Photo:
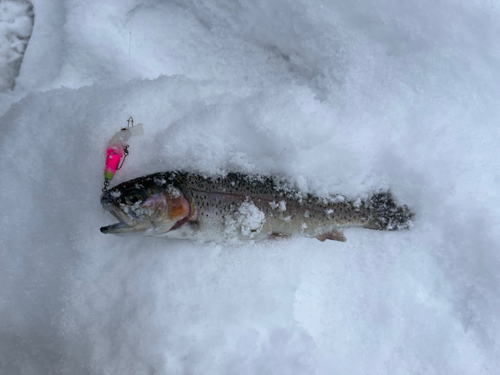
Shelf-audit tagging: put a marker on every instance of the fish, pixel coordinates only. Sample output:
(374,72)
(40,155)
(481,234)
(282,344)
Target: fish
(236,206)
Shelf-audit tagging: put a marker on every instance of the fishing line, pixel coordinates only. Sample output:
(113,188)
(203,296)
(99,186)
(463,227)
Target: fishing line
(130,49)
(117,148)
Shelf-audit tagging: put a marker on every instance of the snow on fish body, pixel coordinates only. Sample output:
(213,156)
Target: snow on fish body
(237,206)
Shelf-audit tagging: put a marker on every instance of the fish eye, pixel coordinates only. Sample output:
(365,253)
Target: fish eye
(132,199)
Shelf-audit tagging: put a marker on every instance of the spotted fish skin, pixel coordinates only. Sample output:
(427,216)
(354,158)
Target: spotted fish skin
(238,206)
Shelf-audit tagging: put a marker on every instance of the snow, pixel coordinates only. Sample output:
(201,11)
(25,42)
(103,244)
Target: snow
(16,26)
(338,97)
(250,219)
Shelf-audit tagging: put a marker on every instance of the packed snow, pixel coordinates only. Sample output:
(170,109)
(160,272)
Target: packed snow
(337,98)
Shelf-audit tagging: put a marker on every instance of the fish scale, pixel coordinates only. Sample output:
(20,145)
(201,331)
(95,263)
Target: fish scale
(243,207)
(224,194)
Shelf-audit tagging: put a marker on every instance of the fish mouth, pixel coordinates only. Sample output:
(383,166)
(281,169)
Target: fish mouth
(125,223)
(120,227)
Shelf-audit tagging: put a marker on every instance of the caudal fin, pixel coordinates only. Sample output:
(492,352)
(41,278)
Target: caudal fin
(386,214)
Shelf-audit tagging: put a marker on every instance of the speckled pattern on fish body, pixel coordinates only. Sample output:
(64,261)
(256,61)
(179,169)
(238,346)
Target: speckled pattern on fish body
(237,206)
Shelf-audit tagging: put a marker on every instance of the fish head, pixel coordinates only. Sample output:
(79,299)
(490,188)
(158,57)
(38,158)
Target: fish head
(149,206)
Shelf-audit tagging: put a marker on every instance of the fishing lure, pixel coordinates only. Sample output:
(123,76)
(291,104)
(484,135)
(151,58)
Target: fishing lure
(117,149)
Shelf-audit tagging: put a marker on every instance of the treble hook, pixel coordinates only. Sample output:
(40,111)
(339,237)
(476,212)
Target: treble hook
(125,154)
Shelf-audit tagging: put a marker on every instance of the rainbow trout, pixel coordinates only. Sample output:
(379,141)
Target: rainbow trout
(236,206)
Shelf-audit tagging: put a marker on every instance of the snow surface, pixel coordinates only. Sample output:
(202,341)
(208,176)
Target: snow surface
(339,97)
(16,26)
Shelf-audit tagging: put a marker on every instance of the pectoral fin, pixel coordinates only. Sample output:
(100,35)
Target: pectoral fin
(335,235)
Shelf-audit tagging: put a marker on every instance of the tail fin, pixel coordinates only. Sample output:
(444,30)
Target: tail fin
(386,215)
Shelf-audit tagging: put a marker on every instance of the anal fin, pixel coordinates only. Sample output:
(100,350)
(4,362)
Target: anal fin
(335,235)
